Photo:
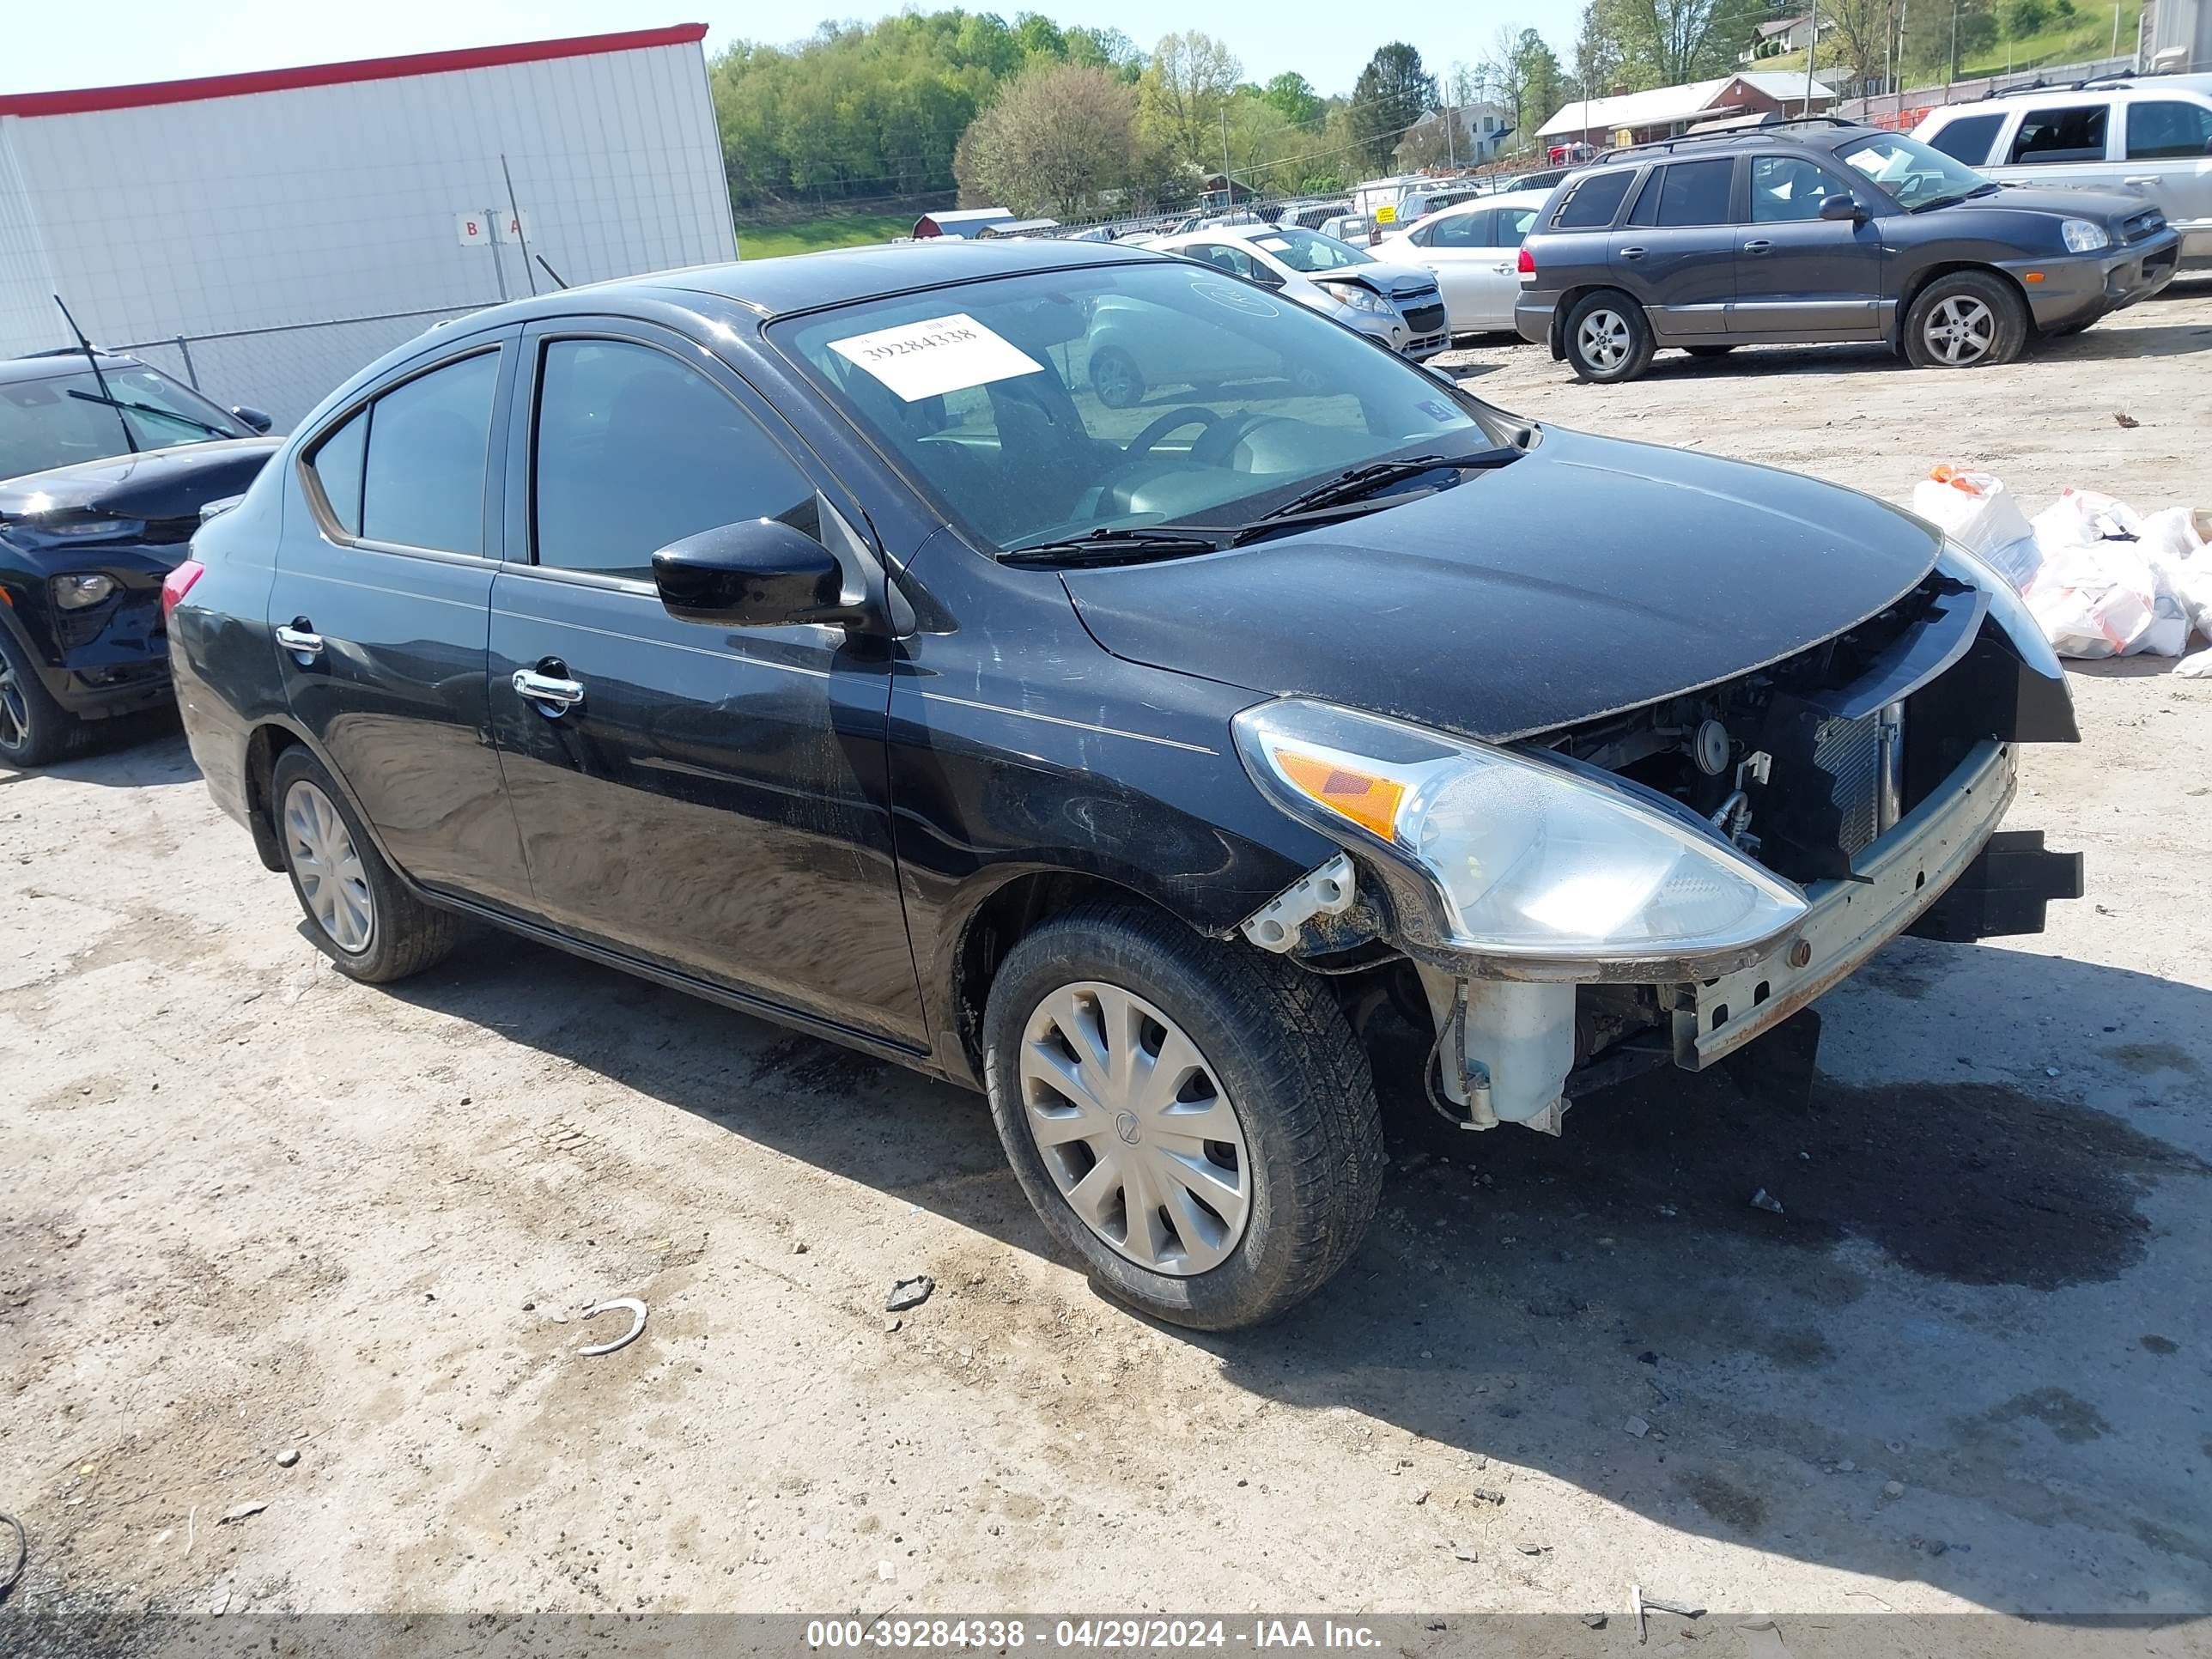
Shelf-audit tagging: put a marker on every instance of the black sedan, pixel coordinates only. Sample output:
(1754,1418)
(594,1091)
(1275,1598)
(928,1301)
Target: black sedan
(808,636)
(103,472)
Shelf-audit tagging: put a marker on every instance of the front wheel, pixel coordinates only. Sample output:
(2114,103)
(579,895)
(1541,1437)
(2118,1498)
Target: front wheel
(34,729)
(1195,1122)
(1608,339)
(1968,320)
(1116,378)
(359,914)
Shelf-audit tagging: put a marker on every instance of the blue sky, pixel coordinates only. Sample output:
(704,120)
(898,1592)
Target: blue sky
(109,42)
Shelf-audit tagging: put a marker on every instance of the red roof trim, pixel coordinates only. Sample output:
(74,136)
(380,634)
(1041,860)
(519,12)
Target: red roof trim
(335,74)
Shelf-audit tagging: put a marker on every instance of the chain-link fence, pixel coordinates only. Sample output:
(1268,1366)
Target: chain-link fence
(285,370)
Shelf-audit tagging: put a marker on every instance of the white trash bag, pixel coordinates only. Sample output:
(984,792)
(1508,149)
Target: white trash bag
(2179,540)
(2098,592)
(1977,511)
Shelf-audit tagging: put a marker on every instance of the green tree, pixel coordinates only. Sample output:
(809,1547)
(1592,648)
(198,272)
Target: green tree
(2023,18)
(1183,95)
(1664,43)
(1054,142)
(1294,99)
(1543,85)
(1392,92)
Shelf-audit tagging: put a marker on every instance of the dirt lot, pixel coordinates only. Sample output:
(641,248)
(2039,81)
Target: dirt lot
(248,1209)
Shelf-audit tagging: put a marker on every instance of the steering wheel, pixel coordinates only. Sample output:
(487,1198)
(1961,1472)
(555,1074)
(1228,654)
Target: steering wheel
(1189,414)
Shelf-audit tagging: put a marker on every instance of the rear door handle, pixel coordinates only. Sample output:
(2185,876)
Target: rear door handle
(1632,253)
(553,696)
(2147,179)
(299,637)
(1759,247)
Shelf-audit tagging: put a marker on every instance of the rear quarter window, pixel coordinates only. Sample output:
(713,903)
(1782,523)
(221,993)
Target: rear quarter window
(1593,200)
(1968,139)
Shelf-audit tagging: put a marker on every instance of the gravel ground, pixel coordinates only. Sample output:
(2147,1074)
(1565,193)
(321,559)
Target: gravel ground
(248,1209)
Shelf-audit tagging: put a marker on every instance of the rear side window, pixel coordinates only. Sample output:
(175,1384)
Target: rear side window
(1968,139)
(1513,225)
(1593,200)
(2073,133)
(337,467)
(2168,131)
(423,482)
(636,450)
(1695,193)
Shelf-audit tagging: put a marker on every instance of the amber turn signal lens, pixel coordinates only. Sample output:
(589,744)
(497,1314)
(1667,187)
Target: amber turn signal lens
(1370,802)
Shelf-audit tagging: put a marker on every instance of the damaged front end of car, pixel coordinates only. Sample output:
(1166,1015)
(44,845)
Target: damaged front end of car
(1671,882)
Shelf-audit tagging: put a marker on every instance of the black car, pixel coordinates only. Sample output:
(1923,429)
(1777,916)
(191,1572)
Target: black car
(1816,231)
(102,478)
(807,635)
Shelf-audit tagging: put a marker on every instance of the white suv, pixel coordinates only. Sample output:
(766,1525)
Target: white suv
(2154,135)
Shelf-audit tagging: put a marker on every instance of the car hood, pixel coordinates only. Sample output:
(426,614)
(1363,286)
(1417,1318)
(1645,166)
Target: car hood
(2072,201)
(1591,575)
(173,483)
(1384,277)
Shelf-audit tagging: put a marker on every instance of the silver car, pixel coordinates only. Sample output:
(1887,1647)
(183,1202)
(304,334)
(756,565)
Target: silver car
(2152,136)
(1396,305)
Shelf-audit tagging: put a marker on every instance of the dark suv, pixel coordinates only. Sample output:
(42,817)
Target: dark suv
(1816,231)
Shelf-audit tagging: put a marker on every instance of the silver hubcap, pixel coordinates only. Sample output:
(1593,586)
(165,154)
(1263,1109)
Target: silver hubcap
(328,865)
(1115,381)
(1604,339)
(1959,328)
(1135,1129)
(14,710)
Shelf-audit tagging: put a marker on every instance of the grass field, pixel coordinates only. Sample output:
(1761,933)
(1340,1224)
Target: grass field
(2088,34)
(811,235)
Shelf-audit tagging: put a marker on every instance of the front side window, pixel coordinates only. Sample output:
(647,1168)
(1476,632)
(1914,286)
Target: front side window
(1784,189)
(2073,133)
(1039,408)
(634,451)
(1234,260)
(1968,139)
(1461,230)
(59,419)
(422,484)
(1595,197)
(2169,132)
(1514,225)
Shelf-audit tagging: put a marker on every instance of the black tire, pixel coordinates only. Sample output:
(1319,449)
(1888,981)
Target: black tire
(1618,345)
(34,729)
(1708,351)
(403,935)
(1965,320)
(1294,1076)
(1116,378)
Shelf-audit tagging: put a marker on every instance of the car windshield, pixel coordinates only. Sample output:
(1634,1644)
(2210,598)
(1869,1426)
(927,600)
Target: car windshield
(59,419)
(1308,251)
(1918,175)
(1045,407)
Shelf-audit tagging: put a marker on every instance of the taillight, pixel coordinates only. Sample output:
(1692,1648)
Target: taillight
(1527,262)
(178,583)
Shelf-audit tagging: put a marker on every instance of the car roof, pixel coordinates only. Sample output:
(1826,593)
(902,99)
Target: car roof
(1512,199)
(2199,87)
(804,281)
(63,359)
(1821,133)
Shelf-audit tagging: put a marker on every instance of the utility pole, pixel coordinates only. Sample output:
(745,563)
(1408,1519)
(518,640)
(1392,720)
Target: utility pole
(1812,48)
(1954,75)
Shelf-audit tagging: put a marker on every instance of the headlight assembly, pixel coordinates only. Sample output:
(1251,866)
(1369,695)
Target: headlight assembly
(1545,872)
(81,590)
(1357,298)
(2083,237)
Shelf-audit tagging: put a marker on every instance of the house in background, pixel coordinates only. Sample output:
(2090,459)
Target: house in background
(1477,132)
(1783,34)
(1637,118)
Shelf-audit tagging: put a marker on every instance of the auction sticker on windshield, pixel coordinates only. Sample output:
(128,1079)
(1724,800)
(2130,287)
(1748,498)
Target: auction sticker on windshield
(936,355)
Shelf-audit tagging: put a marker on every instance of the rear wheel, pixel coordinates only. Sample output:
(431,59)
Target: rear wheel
(1608,340)
(359,914)
(1967,319)
(1195,1122)
(1116,378)
(34,729)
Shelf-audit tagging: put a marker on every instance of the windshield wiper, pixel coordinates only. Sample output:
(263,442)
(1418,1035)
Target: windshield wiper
(149,409)
(1110,547)
(1362,481)
(1933,203)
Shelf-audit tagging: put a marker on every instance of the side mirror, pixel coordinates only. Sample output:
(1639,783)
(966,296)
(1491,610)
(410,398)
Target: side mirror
(1843,207)
(247,415)
(759,573)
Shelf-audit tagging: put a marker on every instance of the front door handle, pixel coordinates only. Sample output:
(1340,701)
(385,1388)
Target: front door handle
(2147,179)
(1759,247)
(553,696)
(1632,253)
(299,637)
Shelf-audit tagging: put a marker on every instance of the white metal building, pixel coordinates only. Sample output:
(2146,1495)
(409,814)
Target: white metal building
(266,234)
